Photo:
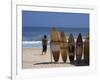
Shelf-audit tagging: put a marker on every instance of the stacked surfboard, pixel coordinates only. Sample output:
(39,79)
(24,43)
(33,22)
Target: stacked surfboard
(59,45)
(86,50)
(55,44)
(71,48)
(79,48)
(63,46)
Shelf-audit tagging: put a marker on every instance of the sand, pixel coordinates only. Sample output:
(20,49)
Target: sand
(32,58)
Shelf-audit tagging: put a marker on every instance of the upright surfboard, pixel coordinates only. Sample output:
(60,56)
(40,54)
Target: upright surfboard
(79,48)
(71,48)
(63,46)
(55,44)
(86,50)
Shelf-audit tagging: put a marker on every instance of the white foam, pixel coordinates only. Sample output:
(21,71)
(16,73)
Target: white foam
(32,42)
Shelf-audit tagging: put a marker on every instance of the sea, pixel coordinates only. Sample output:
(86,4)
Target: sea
(32,36)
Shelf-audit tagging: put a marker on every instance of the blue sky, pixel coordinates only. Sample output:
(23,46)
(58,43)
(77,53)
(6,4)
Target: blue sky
(57,19)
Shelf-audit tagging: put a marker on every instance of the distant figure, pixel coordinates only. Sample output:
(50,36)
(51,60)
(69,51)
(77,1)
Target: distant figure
(44,44)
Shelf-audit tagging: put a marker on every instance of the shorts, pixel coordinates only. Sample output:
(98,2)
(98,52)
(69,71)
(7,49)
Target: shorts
(44,48)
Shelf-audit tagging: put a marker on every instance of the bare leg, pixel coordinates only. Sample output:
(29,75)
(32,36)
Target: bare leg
(45,52)
(42,53)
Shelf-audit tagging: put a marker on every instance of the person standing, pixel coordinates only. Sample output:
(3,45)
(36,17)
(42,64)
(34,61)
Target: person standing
(44,44)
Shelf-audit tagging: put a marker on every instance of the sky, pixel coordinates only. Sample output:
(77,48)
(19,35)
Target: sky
(54,19)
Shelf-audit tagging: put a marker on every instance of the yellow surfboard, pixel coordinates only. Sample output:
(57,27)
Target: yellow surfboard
(63,46)
(86,50)
(55,44)
(71,47)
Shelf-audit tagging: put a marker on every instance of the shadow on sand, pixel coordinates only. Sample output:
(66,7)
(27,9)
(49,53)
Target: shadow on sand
(81,63)
(51,63)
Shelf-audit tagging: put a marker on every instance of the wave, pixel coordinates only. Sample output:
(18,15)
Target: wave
(33,44)
(37,44)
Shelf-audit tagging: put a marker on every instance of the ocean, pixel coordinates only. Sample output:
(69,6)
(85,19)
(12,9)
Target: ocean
(32,36)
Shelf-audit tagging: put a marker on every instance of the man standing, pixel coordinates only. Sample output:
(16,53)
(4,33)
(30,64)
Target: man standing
(44,44)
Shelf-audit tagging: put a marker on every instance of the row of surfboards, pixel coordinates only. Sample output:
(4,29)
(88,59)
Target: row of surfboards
(59,45)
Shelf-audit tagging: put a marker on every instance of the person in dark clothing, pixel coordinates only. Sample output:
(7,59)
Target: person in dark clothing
(44,44)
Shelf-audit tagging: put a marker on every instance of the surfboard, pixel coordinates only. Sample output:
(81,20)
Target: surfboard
(55,44)
(86,50)
(79,48)
(63,46)
(71,48)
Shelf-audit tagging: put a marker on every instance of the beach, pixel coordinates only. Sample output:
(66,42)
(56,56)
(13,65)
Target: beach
(33,59)
(40,23)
